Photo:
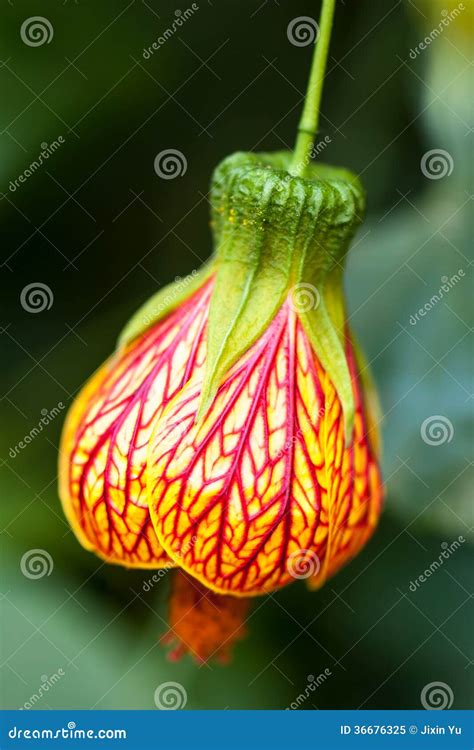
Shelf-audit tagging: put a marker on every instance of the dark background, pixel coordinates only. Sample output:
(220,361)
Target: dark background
(103,232)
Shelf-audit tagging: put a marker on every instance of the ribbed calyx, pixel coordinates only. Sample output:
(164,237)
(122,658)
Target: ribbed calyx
(303,224)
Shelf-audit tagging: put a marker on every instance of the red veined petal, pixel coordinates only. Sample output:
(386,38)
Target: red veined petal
(235,498)
(354,481)
(105,439)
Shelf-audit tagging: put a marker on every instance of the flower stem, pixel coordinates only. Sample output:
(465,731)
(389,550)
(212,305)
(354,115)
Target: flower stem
(308,126)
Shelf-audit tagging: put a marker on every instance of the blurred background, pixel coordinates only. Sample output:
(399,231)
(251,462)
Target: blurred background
(98,230)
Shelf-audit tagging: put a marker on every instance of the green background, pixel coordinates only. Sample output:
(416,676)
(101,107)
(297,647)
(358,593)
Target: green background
(103,231)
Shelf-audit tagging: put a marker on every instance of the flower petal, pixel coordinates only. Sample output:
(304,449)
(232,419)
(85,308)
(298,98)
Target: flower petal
(355,486)
(104,444)
(234,498)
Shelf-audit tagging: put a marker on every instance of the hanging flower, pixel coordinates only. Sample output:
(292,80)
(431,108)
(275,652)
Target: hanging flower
(232,435)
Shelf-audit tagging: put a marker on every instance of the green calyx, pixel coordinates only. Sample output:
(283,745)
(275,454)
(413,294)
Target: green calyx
(276,235)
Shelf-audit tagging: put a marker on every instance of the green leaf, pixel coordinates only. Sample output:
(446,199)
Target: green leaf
(251,285)
(326,341)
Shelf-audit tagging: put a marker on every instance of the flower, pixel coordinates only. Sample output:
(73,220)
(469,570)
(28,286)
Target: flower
(233,434)
(265,474)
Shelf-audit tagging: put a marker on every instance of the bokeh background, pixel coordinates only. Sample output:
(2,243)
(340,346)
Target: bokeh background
(103,231)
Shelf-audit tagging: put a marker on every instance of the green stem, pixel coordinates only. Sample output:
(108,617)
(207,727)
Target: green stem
(308,126)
